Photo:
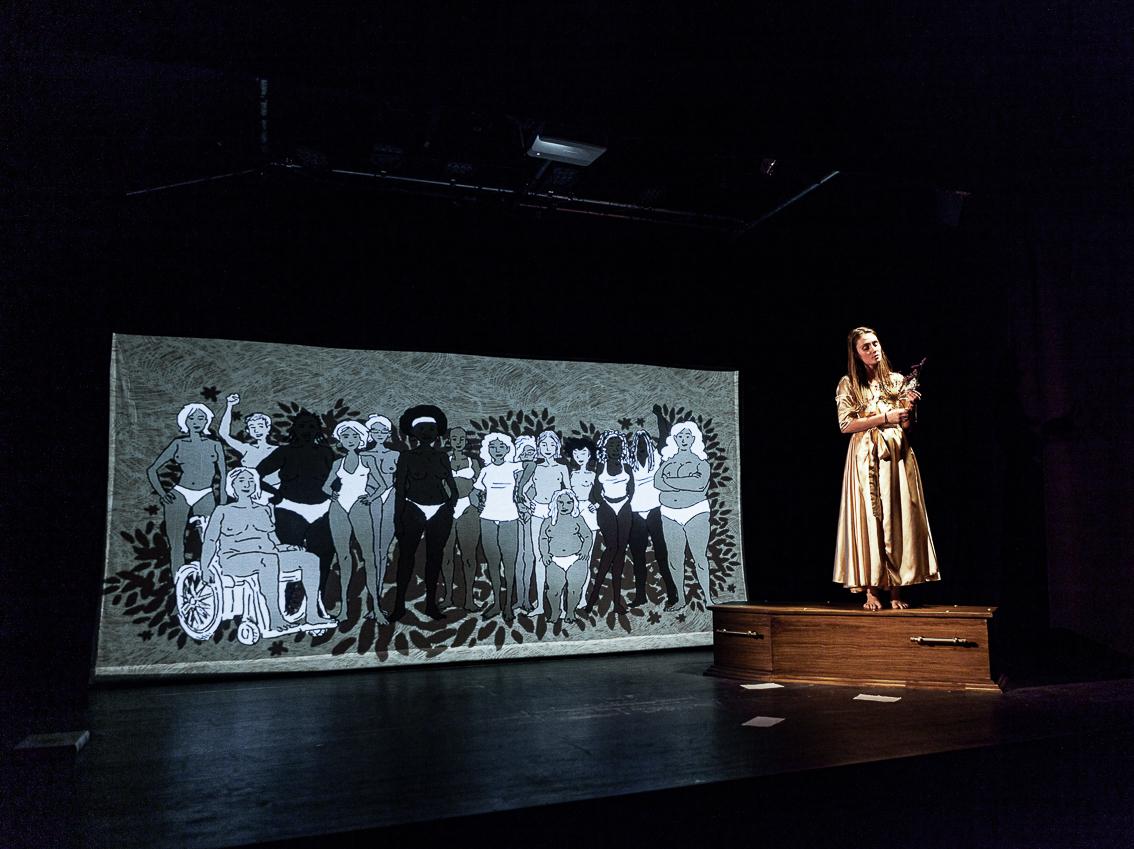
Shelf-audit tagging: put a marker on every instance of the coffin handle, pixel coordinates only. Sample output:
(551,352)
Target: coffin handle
(941,641)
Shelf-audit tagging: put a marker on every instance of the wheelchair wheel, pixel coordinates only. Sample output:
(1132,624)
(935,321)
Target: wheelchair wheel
(248,634)
(198,605)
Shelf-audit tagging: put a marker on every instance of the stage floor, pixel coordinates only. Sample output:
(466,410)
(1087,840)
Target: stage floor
(253,761)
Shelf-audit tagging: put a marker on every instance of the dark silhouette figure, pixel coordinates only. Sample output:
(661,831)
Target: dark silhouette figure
(301,505)
(426,495)
(645,520)
(612,491)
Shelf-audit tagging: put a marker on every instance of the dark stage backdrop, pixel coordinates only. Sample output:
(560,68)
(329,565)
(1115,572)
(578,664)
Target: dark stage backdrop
(325,264)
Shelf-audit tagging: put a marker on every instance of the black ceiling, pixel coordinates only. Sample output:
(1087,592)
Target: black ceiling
(690,98)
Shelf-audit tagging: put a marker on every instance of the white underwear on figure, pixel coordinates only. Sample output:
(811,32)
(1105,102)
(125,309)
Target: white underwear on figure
(541,511)
(310,512)
(565,561)
(430,510)
(353,485)
(386,495)
(192,496)
(682,515)
(461,506)
(467,472)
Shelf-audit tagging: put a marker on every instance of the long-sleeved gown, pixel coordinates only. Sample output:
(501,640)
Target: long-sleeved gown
(883,539)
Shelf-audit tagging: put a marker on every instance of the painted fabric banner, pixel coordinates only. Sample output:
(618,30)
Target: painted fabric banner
(280,507)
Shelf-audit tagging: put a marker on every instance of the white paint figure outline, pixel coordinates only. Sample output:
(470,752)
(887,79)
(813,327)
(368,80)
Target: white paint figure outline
(565,542)
(258,426)
(538,487)
(526,555)
(247,568)
(682,481)
(379,429)
(581,461)
(493,495)
(200,459)
(350,514)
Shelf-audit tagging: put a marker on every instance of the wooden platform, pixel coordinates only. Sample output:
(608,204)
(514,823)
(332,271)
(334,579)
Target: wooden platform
(941,647)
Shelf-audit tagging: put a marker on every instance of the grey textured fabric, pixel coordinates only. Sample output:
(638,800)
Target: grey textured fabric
(159,618)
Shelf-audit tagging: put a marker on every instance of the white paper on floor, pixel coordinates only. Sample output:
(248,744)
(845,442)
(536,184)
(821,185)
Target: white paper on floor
(767,685)
(866,697)
(764,721)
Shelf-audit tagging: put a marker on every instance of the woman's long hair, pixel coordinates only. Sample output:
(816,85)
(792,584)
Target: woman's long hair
(860,377)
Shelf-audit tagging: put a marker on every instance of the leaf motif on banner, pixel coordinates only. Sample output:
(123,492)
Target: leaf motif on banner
(366,636)
(486,630)
(517,636)
(541,627)
(343,646)
(501,635)
(401,644)
(464,631)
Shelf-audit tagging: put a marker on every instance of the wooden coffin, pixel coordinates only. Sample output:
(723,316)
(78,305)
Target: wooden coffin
(944,647)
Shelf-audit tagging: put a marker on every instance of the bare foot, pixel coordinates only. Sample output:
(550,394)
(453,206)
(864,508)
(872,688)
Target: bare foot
(872,600)
(896,600)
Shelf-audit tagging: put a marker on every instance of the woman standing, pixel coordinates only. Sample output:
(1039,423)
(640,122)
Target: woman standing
(581,469)
(201,461)
(382,507)
(525,551)
(646,522)
(258,426)
(465,536)
(883,540)
(538,486)
(358,477)
(493,494)
(426,495)
(682,481)
(612,491)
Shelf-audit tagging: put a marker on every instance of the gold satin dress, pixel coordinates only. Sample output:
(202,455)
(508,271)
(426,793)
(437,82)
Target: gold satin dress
(884,539)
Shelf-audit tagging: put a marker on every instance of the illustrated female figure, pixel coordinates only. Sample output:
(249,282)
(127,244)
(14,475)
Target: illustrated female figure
(359,481)
(493,494)
(526,550)
(645,523)
(301,505)
(682,480)
(564,549)
(242,535)
(382,508)
(201,461)
(258,426)
(538,486)
(581,469)
(883,539)
(425,496)
(465,536)
(612,491)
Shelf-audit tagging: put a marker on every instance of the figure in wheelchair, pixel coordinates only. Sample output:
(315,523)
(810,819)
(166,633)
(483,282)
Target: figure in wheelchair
(247,572)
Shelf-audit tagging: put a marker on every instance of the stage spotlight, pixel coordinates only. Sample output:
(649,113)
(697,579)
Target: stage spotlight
(562,150)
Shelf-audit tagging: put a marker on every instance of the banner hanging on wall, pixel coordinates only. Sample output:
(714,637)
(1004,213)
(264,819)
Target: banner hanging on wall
(281,508)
